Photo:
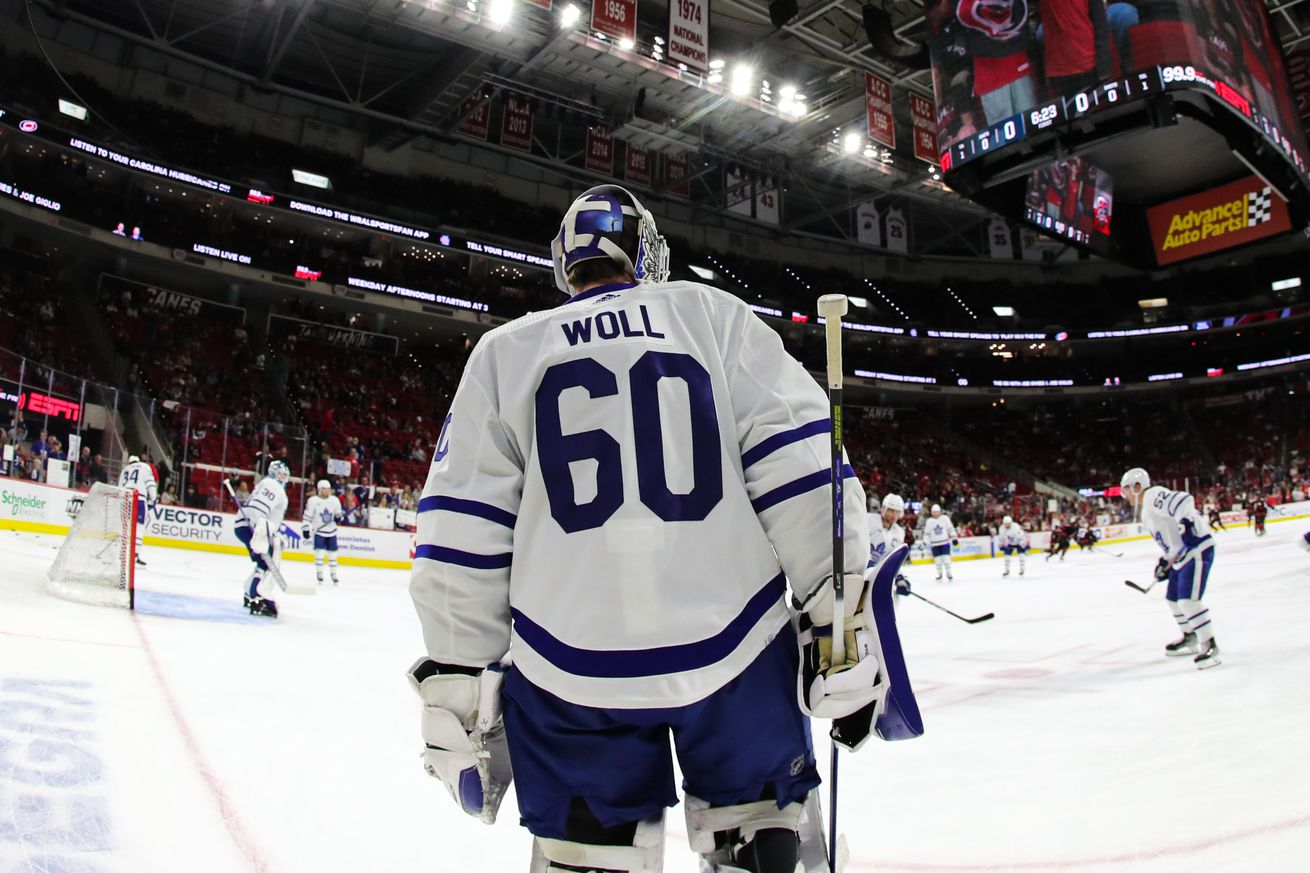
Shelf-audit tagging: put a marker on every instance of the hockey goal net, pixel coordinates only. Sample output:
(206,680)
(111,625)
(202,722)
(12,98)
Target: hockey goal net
(97,562)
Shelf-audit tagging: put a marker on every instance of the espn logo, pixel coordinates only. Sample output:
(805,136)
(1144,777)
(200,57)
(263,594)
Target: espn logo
(44,404)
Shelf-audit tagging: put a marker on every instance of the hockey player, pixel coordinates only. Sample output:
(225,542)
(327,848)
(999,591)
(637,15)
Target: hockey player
(139,475)
(1260,512)
(939,534)
(1087,537)
(1172,519)
(1061,535)
(1216,520)
(258,531)
(886,535)
(322,513)
(623,490)
(1012,540)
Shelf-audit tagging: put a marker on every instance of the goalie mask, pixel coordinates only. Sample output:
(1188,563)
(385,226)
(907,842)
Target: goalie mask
(609,222)
(280,471)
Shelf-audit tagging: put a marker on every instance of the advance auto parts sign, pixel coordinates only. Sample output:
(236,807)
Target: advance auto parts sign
(24,507)
(1232,215)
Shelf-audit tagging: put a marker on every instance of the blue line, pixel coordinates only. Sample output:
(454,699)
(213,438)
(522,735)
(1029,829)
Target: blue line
(796,487)
(769,445)
(463,559)
(630,663)
(468,507)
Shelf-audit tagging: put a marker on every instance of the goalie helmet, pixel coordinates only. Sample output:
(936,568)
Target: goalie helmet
(1136,476)
(608,222)
(280,471)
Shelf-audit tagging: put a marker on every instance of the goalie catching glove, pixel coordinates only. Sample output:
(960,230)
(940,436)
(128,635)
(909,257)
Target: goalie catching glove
(871,690)
(463,733)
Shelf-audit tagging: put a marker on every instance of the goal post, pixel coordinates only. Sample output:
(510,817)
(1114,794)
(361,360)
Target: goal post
(97,561)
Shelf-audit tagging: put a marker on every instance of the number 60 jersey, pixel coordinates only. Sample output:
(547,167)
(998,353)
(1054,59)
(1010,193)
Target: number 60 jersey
(620,493)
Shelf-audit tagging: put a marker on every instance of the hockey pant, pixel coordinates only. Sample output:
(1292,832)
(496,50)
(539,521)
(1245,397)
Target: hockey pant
(325,548)
(1186,588)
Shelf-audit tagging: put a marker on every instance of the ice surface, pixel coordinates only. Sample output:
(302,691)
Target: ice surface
(190,736)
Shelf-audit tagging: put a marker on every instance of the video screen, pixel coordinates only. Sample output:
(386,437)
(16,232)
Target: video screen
(1073,199)
(1004,68)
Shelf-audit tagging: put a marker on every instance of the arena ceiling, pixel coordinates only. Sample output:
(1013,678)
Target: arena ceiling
(407,64)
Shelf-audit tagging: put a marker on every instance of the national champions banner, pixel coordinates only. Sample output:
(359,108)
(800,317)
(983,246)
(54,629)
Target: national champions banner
(1231,215)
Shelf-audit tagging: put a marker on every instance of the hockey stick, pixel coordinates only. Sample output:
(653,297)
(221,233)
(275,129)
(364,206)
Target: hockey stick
(241,510)
(832,307)
(1106,552)
(1131,584)
(988,617)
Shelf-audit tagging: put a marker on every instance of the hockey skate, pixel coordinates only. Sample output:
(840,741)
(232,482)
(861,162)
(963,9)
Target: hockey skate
(140,561)
(1184,646)
(262,606)
(1007,572)
(1208,658)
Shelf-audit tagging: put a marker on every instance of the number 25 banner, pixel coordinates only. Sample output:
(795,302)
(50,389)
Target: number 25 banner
(615,18)
(689,34)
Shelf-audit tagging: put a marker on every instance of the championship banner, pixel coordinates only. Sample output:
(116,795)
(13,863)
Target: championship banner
(898,232)
(767,207)
(516,123)
(1298,76)
(474,115)
(999,242)
(924,115)
(868,229)
(676,169)
(600,150)
(1232,215)
(689,34)
(878,110)
(615,18)
(169,302)
(637,165)
(283,326)
(738,193)
(544,4)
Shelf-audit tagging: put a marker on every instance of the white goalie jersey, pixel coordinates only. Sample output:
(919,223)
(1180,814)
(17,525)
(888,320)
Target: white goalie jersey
(267,501)
(621,493)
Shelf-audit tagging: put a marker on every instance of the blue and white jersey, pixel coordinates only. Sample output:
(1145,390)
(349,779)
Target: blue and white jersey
(141,477)
(1011,536)
(322,514)
(938,531)
(622,492)
(882,539)
(1171,518)
(269,501)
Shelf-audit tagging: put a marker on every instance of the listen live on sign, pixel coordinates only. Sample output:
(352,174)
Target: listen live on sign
(1232,215)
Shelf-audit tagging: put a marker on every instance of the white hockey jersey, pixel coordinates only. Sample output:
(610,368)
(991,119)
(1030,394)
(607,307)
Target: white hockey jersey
(1171,518)
(268,501)
(622,491)
(939,530)
(321,514)
(1011,535)
(141,477)
(882,539)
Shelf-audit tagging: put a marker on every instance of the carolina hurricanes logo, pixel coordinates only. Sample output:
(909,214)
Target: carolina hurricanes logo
(1000,19)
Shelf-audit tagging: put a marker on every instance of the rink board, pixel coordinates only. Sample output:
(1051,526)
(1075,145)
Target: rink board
(35,508)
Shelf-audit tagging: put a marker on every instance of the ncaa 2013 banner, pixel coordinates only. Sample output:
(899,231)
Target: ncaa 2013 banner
(36,508)
(1232,215)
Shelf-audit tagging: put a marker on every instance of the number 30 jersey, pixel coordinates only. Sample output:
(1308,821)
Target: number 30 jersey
(620,494)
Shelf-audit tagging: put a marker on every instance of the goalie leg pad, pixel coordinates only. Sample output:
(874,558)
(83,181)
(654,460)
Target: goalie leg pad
(707,825)
(643,854)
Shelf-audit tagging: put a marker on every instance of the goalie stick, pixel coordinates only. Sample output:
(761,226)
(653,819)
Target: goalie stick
(987,617)
(272,565)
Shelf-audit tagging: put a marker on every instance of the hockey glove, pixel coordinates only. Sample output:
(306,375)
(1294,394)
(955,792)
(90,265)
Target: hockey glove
(464,735)
(1162,569)
(304,531)
(955,542)
(902,586)
(828,690)
(1305,542)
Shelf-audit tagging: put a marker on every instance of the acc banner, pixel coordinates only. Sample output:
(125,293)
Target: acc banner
(677,169)
(924,115)
(1231,215)
(637,165)
(689,34)
(999,241)
(516,123)
(878,110)
(474,115)
(867,229)
(898,232)
(615,18)
(600,150)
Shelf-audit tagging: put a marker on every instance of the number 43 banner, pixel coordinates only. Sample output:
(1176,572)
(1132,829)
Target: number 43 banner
(615,18)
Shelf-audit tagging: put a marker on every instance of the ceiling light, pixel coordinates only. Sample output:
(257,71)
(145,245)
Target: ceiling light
(626,44)
(703,272)
(569,15)
(1154,303)
(851,143)
(314,180)
(1004,311)
(501,11)
(1280,285)
(861,302)
(80,113)
(741,80)
(716,65)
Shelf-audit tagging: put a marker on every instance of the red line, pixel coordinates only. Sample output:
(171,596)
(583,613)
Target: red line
(245,844)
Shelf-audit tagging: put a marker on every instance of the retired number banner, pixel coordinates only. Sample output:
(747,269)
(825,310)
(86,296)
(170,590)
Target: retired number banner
(689,34)
(637,165)
(516,124)
(615,18)
(878,110)
(924,115)
(600,151)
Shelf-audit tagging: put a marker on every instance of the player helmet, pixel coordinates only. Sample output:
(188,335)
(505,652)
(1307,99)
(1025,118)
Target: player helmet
(324,485)
(1007,520)
(936,509)
(608,222)
(894,502)
(280,471)
(1135,476)
(133,459)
